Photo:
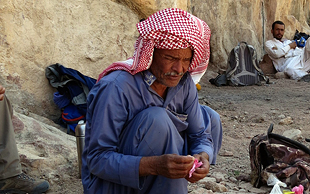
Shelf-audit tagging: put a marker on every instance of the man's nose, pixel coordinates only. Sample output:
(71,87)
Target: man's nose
(178,66)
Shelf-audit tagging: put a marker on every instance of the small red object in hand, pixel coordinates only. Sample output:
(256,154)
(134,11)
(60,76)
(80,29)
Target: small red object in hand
(195,165)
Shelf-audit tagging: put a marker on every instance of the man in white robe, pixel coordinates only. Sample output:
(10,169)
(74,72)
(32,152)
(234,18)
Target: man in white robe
(286,56)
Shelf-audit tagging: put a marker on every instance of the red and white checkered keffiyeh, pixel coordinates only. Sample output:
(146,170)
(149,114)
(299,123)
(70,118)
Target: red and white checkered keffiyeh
(170,28)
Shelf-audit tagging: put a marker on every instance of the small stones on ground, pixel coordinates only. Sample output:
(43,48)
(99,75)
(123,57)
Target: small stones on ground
(219,177)
(233,179)
(294,134)
(286,121)
(281,116)
(215,187)
(226,153)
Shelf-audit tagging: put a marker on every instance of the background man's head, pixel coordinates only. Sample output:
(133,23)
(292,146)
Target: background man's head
(278,29)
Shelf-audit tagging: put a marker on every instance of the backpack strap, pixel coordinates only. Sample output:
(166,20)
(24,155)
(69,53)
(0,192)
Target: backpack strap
(236,50)
(230,72)
(260,72)
(286,141)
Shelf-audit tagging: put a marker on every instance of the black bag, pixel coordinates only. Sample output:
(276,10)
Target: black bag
(219,81)
(298,35)
(301,38)
(286,159)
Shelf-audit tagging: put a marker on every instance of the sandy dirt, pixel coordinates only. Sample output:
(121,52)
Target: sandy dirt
(248,111)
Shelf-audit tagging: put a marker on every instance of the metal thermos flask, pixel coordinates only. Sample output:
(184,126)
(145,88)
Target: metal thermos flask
(80,142)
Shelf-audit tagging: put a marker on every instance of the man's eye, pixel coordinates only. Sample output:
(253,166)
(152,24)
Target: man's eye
(170,58)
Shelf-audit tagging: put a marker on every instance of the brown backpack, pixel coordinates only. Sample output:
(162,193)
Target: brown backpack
(285,158)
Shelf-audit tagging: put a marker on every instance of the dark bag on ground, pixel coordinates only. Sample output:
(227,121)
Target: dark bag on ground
(286,159)
(219,80)
(71,96)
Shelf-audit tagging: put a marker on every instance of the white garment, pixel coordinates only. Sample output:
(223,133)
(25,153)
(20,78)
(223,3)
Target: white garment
(294,62)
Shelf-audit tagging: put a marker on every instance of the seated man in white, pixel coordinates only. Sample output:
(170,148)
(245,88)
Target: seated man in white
(285,54)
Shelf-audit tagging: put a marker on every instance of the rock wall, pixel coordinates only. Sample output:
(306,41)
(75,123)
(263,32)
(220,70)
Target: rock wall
(89,35)
(84,35)
(234,21)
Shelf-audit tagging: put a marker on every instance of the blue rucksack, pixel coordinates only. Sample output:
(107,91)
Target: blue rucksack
(71,96)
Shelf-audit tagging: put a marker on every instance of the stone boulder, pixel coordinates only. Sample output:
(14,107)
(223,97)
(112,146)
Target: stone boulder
(267,66)
(47,152)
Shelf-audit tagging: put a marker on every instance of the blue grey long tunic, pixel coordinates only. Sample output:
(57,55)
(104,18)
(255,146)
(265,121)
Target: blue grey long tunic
(127,119)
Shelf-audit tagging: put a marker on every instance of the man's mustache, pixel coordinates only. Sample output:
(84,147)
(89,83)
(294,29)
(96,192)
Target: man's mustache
(174,73)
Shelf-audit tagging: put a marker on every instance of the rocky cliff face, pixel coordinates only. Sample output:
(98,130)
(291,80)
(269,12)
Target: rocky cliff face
(83,35)
(90,35)
(250,21)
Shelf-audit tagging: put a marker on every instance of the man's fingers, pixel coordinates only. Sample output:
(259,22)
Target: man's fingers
(175,166)
(2,91)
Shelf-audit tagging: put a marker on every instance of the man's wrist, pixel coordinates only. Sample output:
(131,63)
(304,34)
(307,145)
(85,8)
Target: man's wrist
(148,166)
(205,155)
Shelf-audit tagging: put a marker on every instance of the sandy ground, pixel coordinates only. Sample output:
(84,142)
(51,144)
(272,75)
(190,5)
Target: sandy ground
(248,111)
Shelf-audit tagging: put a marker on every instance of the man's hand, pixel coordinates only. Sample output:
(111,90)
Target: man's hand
(293,45)
(169,165)
(2,91)
(203,170)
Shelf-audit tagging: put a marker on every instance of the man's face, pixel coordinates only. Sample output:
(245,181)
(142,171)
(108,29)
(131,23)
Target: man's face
(278,31)
(168,66)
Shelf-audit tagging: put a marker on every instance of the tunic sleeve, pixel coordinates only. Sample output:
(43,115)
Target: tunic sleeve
(102,136)
(275,51)
(199,128)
